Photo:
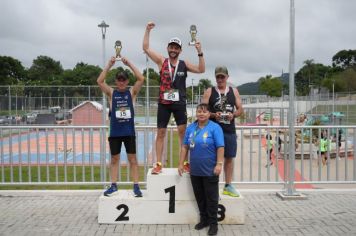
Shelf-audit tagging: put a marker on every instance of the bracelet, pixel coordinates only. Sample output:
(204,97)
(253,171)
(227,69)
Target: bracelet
(200,54)
(219,163)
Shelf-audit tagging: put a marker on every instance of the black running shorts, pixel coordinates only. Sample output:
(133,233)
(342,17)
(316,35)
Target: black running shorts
(129,142)
(164,114)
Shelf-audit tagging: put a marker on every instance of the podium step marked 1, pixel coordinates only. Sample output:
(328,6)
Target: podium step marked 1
(169,199)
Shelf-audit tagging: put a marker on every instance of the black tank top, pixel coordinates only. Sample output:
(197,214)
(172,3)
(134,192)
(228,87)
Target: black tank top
(223,104)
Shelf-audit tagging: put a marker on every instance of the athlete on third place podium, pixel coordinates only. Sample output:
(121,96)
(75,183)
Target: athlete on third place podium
(225,105)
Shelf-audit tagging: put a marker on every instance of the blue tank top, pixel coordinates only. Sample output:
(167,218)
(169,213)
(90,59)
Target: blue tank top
(122,115)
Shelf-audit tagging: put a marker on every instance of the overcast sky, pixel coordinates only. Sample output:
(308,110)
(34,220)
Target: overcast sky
(250,37)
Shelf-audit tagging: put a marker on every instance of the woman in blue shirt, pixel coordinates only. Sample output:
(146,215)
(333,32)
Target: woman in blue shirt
(204,139)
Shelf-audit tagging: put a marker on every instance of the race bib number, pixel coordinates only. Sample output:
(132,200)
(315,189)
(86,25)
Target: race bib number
(172,95)
(123,114)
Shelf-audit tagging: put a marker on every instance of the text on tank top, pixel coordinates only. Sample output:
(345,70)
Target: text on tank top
(223,102)
(122,115)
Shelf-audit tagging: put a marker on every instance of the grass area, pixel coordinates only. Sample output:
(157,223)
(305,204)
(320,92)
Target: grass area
(44,174)
(141,111)
(348,110)
(90,173)
(13,112)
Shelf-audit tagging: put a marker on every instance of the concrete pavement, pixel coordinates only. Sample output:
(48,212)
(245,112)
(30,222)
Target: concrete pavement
(75,213)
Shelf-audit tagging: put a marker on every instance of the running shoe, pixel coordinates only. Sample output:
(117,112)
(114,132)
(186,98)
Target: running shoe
(231,191)
(157,168)
(186,167)
(111,191)
(137,191)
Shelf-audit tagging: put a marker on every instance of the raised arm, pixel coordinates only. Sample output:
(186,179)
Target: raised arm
(101,79)
(156,57)
(139,78)
(200,68)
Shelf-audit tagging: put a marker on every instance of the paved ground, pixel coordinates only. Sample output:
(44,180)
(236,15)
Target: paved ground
(75,213)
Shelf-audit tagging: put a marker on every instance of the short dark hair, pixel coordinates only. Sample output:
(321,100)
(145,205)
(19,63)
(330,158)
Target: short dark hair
(122,74)
(203,106)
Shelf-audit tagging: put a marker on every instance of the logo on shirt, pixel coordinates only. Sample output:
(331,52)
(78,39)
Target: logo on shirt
(180,73)
(205,136)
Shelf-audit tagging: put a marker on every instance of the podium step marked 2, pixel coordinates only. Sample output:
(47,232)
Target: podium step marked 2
(169,199)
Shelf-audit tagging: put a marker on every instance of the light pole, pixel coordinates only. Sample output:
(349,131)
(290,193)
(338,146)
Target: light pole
(103,27)
(290,192)
(333,96)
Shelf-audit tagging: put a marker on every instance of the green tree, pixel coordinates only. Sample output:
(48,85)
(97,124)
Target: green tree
(44,71)
(339,84)
(344,59)
(311,74)
(349,75)
(11,71)
(204,84)
(85,74)
(271,86)
(153,76)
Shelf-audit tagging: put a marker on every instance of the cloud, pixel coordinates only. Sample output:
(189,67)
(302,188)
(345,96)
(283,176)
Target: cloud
(250,37)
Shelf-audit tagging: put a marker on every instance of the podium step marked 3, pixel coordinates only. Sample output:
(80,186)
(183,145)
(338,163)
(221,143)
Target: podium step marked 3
(169,199)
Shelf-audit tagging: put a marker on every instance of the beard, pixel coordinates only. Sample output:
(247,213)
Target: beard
(173,55)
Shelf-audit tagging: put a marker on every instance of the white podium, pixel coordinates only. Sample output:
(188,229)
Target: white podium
(169,199)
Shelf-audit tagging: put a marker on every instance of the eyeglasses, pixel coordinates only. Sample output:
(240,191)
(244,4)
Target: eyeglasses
(121,79)
(220,77)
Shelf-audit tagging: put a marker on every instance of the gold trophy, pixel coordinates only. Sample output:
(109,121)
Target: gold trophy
(118,48)
(193,34)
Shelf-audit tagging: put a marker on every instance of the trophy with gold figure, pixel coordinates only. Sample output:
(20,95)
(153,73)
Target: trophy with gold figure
(118,48)
(193,34)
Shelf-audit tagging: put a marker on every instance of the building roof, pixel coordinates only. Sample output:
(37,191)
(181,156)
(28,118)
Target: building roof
(97,105)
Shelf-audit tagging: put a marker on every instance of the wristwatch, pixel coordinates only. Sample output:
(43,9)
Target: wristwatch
(200,54)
